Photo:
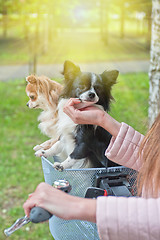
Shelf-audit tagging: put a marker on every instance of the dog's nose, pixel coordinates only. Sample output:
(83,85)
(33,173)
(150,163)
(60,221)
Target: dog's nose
(27,104)
(91,95)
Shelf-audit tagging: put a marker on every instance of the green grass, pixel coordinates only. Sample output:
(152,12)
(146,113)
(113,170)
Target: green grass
(75,44)
(62,47)
(131,105)
(20,171)
(91,48)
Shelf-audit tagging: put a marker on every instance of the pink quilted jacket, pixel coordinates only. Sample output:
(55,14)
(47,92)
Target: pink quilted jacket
(120,218)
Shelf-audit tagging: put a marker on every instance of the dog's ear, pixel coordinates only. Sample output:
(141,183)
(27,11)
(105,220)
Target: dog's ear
(31,79)
(110,76)
(70,70)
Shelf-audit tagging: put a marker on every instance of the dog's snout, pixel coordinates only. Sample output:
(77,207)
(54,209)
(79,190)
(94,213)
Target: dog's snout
(91,95)
(27,104)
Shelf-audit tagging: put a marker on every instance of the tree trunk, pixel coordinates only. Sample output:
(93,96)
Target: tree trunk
(104,19)
(154,71)
(4,19)
(46,22)
(122,16)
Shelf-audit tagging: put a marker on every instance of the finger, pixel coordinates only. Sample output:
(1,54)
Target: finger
(69,107)
(28,205)
(74,101)
(30,195)
(71,112)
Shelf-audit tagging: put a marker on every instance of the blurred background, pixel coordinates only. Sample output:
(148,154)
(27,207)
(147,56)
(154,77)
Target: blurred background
(37,37)
(48,32)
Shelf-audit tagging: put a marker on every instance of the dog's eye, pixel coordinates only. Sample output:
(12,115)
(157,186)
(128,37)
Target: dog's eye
(97,87)
(32,97)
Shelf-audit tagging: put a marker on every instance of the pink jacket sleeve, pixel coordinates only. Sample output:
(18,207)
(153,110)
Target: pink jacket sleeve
(124,148)
(120,218)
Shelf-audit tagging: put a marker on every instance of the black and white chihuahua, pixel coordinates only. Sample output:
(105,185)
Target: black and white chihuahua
(85,145)
(90,141)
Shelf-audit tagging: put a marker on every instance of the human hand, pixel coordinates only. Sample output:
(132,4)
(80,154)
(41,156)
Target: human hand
(49,198)
(92,114)
(61,204)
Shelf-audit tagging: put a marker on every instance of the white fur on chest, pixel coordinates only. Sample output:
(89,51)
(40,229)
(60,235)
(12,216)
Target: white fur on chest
(47,123)
(66,128)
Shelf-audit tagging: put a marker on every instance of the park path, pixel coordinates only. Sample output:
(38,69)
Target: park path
(53,70)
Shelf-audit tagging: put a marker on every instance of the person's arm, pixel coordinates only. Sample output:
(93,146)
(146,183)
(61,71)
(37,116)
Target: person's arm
(117,218)
(110,124)
(124,146)
(121,218)
(61,204)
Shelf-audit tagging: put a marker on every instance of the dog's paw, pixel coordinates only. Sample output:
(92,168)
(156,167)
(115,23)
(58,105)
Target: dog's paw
(58,166)
(37,147)
(40,153)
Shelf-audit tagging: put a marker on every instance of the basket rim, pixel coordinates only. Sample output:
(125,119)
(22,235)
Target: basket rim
(109,169)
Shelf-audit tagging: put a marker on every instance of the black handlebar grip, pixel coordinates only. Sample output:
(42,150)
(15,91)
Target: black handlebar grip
(38,214)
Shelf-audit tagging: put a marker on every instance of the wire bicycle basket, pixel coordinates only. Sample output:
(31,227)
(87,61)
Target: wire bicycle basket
(80,180)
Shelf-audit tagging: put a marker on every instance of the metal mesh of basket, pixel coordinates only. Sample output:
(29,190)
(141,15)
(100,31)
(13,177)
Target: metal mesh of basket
(80,180)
